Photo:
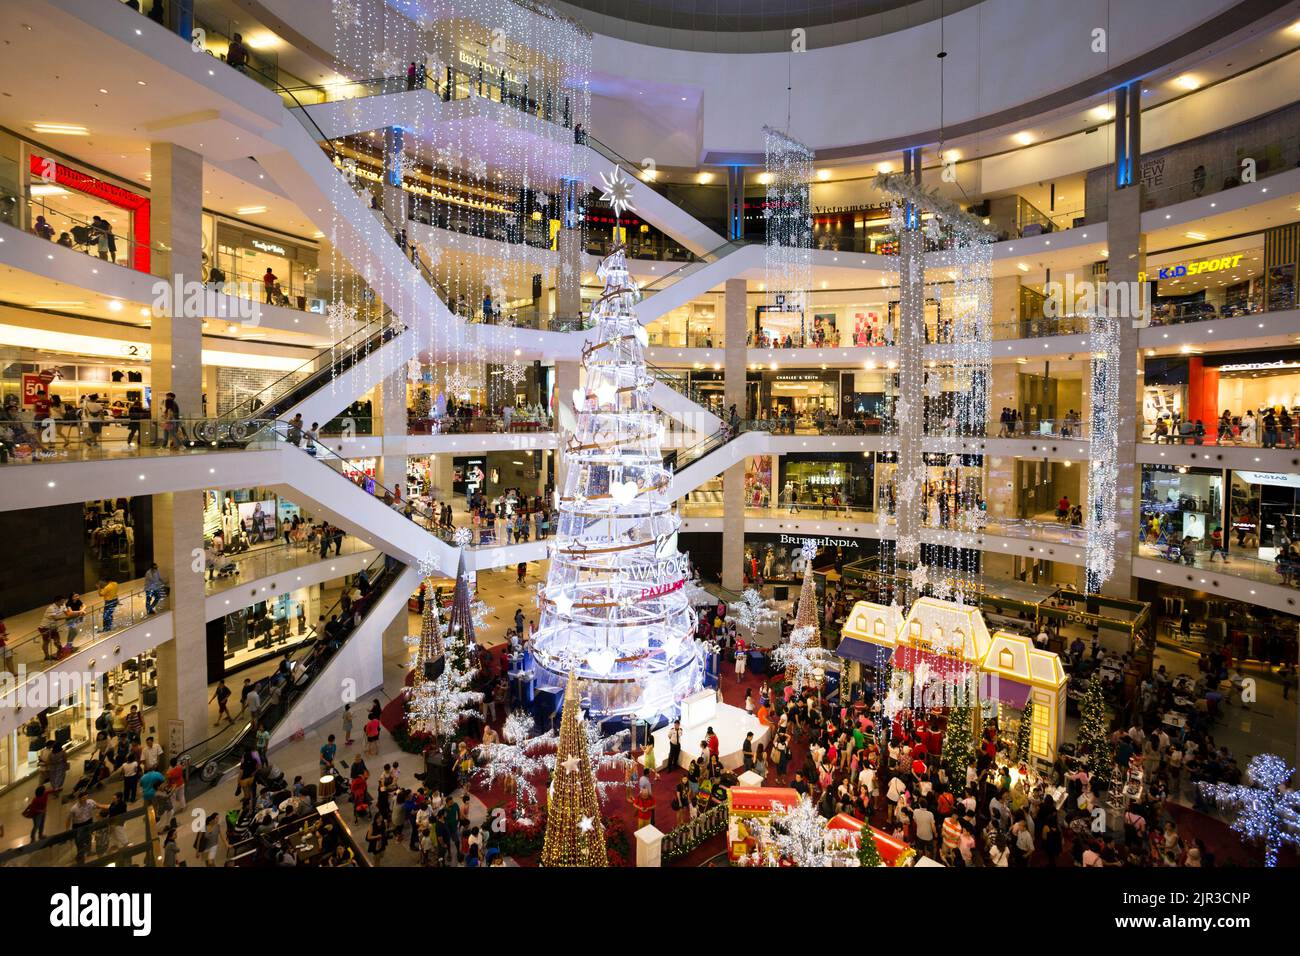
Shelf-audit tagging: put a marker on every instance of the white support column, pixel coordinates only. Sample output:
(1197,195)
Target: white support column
(176,366)
(390,423)
(733,479)
(911,338)
(568,376)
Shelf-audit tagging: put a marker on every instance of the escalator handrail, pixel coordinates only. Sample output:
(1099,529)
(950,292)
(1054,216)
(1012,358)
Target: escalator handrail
(258,404)
(713,255)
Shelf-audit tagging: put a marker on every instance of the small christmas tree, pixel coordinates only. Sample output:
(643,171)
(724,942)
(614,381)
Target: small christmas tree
(1094,741)
(958,748)
(574,834)
(868,852)
(1025,730)
(805,614)
(441,695)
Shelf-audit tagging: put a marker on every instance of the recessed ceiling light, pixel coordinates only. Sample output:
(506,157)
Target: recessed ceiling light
(1101,113)
(114,305)
(141,83)
(102,90)
(1188,82)
(1197,236)
(250,210)
(1024,137)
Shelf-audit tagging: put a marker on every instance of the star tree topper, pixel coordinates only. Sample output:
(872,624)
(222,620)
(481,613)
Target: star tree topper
(618,191)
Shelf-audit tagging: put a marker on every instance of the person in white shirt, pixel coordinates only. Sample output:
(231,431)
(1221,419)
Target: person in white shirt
(867,779)
(151,755)
(923,820)
(896,789)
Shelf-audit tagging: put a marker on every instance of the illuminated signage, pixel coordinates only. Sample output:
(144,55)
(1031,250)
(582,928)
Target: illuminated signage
(1269,478)
(1195,267)
(270,247)
(1259,366)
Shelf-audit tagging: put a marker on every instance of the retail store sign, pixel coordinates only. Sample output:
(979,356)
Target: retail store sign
(271,247)
(820,542)
(1269,478)
(1195,267)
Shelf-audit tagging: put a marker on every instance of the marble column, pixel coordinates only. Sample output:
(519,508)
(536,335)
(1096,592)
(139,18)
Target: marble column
(568,376)
(733,479)
(390,424)
(176,222)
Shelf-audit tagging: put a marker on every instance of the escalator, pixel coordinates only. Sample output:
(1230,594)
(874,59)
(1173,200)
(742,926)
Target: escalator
(277,399)
(209,760)
(679,458)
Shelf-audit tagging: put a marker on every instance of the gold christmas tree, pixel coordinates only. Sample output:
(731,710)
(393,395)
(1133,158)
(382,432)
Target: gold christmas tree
(805,614)
(574,833)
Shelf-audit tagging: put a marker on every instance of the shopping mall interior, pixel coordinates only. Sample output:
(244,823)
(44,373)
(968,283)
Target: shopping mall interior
(598,433)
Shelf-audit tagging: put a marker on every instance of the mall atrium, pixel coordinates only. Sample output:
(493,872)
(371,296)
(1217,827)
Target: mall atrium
(603,433)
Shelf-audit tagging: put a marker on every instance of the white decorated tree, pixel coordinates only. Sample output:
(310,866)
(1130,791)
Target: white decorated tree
(614,608)
(442,695)
(516,760)
(1268,811)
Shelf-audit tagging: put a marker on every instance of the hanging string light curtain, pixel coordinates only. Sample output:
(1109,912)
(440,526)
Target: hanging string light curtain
(467,173)
(786,211)
(945,299)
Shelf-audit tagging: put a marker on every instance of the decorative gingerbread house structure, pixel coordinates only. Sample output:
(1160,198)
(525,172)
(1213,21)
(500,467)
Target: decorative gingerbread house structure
(952,639)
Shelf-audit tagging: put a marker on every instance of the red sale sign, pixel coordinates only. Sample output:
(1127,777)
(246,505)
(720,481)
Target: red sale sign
(35,387)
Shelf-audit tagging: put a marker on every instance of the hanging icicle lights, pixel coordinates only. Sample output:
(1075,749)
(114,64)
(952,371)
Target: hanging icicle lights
(467,167)
(788,260)
(1103,468)
(945,300)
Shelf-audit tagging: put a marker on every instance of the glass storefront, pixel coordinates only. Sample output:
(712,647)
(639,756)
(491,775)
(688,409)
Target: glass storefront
(269,628)
(1265,512)
(244,255)
(30,377)
(1179,503)
(951,483)
(822,477)
(70,721)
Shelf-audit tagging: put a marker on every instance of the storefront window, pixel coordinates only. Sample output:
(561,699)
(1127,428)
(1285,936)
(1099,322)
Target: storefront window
(244,257)
(1179,504)
(1265,511)
(845,477)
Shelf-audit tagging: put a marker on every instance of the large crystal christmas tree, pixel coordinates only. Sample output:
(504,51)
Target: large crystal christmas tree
(614,608)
